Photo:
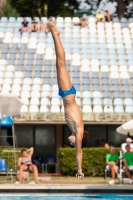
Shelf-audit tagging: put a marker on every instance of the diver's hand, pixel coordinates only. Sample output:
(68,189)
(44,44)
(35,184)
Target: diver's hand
(80,175)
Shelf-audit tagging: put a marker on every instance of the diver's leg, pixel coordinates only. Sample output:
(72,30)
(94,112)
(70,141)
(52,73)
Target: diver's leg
(62,74)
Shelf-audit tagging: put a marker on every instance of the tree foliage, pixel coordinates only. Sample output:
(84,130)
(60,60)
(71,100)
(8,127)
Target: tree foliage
(124,8)
(7,10)
(25,8)
(45,7)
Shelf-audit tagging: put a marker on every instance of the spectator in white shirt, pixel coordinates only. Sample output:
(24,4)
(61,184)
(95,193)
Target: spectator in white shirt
(128,142)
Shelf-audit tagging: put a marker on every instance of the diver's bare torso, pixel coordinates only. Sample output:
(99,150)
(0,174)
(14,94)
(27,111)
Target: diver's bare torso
(73,116)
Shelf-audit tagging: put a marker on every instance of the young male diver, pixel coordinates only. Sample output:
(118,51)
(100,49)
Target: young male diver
(67,91)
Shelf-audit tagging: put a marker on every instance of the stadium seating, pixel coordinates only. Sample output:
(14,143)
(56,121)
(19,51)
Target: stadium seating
(98,58)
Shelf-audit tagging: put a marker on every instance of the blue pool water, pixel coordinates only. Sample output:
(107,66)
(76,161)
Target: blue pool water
(68,197)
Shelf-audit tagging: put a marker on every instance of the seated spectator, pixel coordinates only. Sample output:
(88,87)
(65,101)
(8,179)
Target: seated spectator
(107,16)
(99,17)
(25,165)
(112,162)
(111,144)
(42,26)
(51,19)
(129,142)
(97,143)
(103,142)
(128,163)
(25,26)
(34,25)
(84,22)
(106,145)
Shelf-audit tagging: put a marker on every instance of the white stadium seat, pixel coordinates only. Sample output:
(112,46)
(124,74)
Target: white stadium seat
(97,101)
(26,87)
(44,109)
(45,101)
(6,88)
(27,81)
(55,109)
(35,94)
(86,94)
(10,68)
(129,109)
(86,101)
(17,81)
(24,109)
(87,109)
(108,109)
(107,101)
(97,109)
(34,101)
(119,109)
(46,87)
(96,94)
(55,101)
(36,87)
(33,109)
(128,102)
(8,80)
(45,94)
(25,94)
(16,87)
(118,101)
(25,100)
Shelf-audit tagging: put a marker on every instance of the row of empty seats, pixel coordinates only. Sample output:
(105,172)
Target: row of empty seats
(80,101)
(61,19)
(64,20)
(85,86)
(85,109)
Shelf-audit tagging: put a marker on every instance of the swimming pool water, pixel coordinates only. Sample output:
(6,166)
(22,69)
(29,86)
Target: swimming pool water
(68,197)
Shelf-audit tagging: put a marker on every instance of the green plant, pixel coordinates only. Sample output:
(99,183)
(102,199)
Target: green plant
(9,157)
(93,161)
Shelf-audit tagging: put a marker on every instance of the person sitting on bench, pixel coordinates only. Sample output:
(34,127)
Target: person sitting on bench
(25,165)
(128,163)
(112,162)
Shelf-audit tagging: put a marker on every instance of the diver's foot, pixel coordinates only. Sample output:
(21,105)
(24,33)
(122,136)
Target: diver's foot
(80,175)
(72,140)
(53,29)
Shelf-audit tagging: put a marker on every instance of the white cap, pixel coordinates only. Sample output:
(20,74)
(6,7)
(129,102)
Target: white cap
(129,140)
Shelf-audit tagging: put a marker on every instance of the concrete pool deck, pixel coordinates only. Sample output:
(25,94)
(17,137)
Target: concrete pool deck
(65,188)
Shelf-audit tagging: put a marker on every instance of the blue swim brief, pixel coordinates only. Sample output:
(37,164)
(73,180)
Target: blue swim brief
(67,92)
